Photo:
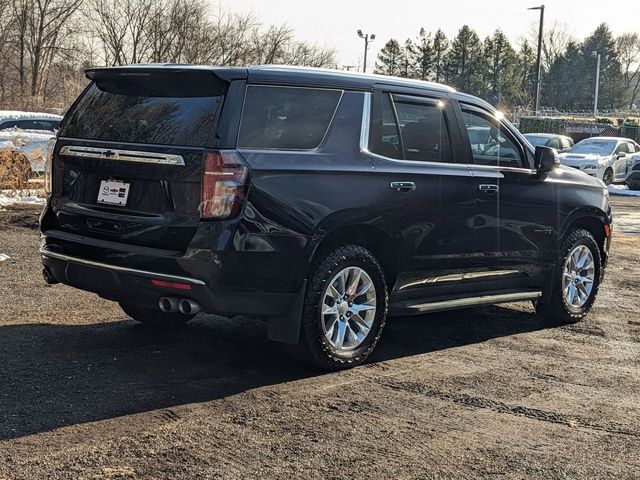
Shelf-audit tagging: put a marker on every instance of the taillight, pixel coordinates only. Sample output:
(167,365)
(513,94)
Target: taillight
(48,165)
(224,176)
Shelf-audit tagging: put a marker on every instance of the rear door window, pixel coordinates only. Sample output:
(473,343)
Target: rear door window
(150,110)
(286,118)
(413,128)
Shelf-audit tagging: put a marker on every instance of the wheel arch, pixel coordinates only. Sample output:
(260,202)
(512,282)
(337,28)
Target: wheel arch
(374,239)
(592,220)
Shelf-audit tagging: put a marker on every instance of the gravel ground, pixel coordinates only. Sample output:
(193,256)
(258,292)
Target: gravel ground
(88,393)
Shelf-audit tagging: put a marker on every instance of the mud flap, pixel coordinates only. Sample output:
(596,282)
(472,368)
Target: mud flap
(287,329)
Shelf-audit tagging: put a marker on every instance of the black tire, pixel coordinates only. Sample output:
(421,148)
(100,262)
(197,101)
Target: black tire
(607,176)
(634,185)
(313,346)
(557,310)
(154,317)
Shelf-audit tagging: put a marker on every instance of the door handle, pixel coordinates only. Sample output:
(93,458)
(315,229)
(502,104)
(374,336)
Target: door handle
(403,186)
(489,189)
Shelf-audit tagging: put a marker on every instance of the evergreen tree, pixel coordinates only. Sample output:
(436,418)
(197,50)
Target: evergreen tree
(501,69)
(440,46)
(563,83)
(527,73)
(390,59)
(612,91)
(423,56)
(464,64)
(408,59)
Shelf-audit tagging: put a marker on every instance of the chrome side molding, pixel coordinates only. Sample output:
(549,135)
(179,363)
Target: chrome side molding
(122,155)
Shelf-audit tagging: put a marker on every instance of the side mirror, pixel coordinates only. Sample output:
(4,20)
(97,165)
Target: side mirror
(546,159)
(621,154)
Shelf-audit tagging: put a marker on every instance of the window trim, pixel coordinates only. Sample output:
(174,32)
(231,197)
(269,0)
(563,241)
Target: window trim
(365,131)
(273,149)
(512,136)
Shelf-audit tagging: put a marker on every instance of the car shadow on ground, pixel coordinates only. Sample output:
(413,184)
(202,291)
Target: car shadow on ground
(59,375)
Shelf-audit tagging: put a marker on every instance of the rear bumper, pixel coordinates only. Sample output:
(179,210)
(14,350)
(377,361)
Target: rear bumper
(133,285)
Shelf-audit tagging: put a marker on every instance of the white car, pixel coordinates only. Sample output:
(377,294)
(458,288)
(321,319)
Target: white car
(603,157)
(28,133)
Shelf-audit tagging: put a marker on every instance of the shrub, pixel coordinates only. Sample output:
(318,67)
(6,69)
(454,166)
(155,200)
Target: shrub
(14,171)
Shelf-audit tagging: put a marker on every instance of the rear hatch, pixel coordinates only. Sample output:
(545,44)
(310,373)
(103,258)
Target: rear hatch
(127,166)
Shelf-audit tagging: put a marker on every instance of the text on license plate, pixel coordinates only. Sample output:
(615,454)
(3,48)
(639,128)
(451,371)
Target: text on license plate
(113,192)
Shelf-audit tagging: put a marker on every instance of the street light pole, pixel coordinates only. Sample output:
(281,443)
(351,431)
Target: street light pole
(367,38)
(595,97)
(536,98)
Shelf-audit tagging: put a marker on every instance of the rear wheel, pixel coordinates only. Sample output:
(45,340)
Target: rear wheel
(607,176)
(345,309)
(155,318)
(576,279)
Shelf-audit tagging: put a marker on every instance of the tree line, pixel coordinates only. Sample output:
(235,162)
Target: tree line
(46,44)
(505,75)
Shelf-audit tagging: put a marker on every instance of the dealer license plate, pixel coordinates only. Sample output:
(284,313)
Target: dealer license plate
(113,192)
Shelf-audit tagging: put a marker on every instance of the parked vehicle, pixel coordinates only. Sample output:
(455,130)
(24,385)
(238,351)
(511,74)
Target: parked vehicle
(560,143)
(15,120)
(633,172)
(603,157)
(321,201)
(28,133)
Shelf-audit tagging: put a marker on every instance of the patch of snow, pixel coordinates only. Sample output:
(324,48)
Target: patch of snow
(623,190)
(4,257)
(12,197)
(18,115)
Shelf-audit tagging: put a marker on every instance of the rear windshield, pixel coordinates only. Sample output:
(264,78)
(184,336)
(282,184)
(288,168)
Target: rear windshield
(135,111)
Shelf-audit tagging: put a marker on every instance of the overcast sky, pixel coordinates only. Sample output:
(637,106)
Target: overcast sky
(333,23)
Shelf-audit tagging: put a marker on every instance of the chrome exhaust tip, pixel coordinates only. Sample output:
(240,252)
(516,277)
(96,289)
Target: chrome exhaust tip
(189,307)
(168,304)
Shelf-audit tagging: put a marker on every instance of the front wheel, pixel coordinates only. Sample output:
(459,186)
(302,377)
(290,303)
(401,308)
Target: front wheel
(607,176)
(155,318)
(576,279)
(344,311)
(633,185)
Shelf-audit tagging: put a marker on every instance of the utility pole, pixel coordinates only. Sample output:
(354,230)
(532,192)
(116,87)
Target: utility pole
(367,39)
(536,97)
(595,97)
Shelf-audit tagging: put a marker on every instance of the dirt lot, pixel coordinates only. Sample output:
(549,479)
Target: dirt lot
(87,393)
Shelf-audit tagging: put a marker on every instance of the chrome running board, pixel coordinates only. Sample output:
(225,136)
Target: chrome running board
(453,304)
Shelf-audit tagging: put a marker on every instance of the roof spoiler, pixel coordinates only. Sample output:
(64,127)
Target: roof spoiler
(164,80)
(226,74)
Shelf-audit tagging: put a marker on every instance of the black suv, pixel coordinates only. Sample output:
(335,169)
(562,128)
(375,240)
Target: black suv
(321,201)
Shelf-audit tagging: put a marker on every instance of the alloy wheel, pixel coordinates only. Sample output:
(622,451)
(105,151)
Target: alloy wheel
(348,308)
(578,277)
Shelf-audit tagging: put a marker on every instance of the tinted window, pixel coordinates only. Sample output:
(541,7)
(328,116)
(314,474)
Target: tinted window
(490,144)
(622,148)
(423,132)
(419,134)
(37,125)
(286,118)
(120,113)
(554,143)
(536,141)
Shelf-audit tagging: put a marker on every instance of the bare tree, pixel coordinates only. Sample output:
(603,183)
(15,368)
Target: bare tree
(46,20)
(555,39)
(629,54)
